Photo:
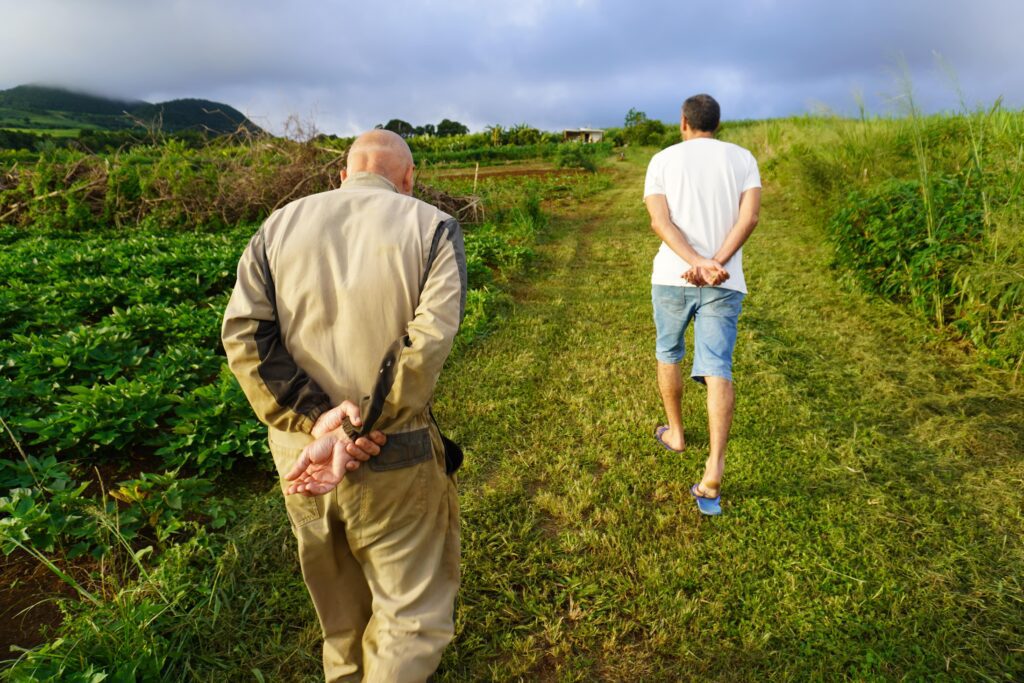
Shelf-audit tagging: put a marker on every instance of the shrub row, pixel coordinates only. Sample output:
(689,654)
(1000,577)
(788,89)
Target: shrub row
(172,185)
(883,236)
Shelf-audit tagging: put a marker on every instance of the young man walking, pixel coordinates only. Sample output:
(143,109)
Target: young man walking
(703,196)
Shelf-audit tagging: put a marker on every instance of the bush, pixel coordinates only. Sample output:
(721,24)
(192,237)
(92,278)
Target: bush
(924,211)
(882,236)
(576,155)
(171,185)
(650,132)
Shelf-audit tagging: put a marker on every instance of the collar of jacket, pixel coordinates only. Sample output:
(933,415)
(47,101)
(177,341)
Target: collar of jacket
(369,179)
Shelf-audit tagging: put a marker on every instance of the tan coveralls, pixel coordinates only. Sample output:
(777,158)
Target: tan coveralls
(357,294)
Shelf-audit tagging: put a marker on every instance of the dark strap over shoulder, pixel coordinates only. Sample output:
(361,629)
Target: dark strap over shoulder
(453,455)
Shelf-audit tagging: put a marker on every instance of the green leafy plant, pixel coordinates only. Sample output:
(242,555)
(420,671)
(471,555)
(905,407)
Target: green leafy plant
(110,353)
(168,504)
(44,508)
(112,416)
(212,427)
(886,236)
(576,155)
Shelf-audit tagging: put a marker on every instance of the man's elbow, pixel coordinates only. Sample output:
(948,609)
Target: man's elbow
(752,219)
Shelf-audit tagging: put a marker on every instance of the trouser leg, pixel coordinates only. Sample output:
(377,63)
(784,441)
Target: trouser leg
(333,576)
(411,563)
(339,592)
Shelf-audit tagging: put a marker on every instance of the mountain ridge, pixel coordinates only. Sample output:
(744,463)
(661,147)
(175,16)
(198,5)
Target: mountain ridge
(48,108)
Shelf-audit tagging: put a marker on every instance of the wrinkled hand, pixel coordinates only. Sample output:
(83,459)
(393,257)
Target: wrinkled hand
(706,272)
(323,464)
(332,419)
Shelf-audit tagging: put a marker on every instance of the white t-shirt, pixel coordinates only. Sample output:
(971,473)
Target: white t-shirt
(702,179)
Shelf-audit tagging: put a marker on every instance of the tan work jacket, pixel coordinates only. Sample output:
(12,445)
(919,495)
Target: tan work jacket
(356,294)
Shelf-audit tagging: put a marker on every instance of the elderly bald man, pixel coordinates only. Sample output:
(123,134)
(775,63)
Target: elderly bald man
(346,306)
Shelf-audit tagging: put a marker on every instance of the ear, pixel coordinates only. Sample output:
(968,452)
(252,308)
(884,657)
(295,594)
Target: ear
(344,174)
(407,180)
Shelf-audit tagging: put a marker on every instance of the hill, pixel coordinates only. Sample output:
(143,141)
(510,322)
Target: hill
(195,114)
(33,107)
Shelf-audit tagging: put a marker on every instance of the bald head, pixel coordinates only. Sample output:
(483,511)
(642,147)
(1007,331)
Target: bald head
(384,153)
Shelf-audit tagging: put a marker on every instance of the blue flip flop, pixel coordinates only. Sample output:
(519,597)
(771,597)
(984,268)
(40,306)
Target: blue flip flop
(657,436)
(707,506)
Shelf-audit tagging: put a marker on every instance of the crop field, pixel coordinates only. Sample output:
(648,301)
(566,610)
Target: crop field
(36,122)
(874,495)
(122,426)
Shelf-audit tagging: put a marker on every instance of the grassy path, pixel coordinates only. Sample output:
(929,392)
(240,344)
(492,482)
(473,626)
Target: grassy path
(873,493)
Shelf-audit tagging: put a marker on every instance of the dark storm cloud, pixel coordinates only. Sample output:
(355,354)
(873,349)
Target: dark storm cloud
(550,63)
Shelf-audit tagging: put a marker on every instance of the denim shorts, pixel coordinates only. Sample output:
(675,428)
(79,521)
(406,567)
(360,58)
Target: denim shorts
(714,311)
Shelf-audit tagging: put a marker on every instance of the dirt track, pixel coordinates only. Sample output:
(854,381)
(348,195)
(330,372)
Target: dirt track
(506,172)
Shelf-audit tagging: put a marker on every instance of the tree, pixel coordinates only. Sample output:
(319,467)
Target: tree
(635,118)
(523,134)
(641,130)
(497,134)
(403,128)
(448,128)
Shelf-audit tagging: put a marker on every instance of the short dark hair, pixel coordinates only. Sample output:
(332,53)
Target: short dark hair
(702,112)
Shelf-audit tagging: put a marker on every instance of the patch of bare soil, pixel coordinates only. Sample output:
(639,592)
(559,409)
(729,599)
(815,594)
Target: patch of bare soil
(28,611)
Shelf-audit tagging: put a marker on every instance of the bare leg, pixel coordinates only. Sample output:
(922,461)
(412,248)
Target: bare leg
(670,384)
(721,399)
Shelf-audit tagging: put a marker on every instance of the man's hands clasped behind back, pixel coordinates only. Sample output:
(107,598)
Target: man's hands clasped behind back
(323,464)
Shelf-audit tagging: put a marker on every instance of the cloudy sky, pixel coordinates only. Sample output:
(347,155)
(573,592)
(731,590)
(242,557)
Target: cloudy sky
(347,65)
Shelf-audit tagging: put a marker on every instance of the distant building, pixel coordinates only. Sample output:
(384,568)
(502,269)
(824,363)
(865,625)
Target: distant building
(584,134)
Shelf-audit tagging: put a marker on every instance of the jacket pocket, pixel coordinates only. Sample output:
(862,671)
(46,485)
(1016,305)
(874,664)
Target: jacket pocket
(301,509)
(403,450)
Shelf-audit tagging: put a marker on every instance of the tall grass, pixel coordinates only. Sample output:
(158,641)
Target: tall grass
(925,180)
(923,210)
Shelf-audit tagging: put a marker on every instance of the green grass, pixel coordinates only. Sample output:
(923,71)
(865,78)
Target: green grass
(53,132)
(873,494)
(40,122)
